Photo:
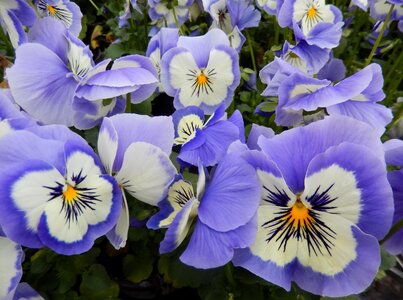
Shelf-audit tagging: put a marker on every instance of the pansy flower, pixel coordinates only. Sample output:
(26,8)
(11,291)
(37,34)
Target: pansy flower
(14,15)
(355,96)
(394,156)
(314,21)
(201,71)
(46,72)
(54,192)
(232,16)
(168,11)
(66,11)
(205,143)
(325,203)
(139,160)
(126,12)
(223,210)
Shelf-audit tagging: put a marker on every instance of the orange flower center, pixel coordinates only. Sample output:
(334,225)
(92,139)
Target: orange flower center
(312,12)
(51,9)
(202,79)
(299,214)
(70,194)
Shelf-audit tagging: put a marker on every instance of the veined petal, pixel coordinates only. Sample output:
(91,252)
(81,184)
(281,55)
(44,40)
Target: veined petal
(20,217)
(146,172)
(11,256)
(186,121)
(71,222)
(179,193)
(351,267)
(350,182)
(180,226)
(293,150)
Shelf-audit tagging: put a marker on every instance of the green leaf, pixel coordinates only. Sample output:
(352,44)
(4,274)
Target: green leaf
(138,268)
(96,284)
(268,107)
(114,51)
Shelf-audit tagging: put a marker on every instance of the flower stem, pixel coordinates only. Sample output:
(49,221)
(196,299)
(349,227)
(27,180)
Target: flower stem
(93,4)
(128,103)
(378,40)
(252,54)
(177,22)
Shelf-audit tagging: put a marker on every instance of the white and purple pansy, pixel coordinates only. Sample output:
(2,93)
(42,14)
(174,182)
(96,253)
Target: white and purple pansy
(14,15)
(223,212)
(66,11)
(46,72)
(355,96)
(207,142)
(168,11)
(325,203)
(201,71)
(394,156)
(139,160)
(54,192)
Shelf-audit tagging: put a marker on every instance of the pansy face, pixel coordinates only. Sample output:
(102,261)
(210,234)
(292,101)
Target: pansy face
(311,12)
(201,71)
(319,227)
(65,211)
(63,10)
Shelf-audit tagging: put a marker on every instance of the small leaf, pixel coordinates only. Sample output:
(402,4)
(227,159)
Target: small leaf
(138,268)
(96,284)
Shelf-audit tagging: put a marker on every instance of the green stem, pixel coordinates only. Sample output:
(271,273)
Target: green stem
(128,103)
(394,229)
(252,54)
(177,22)
(93,4)
(378,40)
(229,275)
(395,64)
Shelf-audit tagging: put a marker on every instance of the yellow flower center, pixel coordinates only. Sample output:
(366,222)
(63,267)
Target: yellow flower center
(312,12)
(202,79)
(51,9)
(299,214)
(70,194)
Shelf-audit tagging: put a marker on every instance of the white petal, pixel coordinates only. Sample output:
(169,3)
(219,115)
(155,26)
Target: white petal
(31,195)
(10,265)
(107,144)
(342,187)
(146,172)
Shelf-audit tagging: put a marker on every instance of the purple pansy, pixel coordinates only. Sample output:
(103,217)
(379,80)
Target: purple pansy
(14,15)
(54,192)
(46,72)
(355,96)
(205,143)
(232,16)
(325,203)
(168,11)
(394,156)
(139,160)
(223,209)
(66,11)
(201,71)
